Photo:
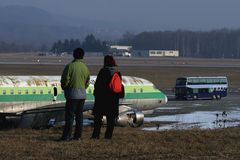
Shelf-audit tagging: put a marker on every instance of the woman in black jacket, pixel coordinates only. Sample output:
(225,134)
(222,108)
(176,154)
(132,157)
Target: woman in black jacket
(106,101)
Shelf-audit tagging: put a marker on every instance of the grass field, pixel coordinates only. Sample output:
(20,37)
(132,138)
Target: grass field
(127,143)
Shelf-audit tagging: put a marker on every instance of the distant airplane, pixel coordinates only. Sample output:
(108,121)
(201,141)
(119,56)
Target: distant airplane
(35,95)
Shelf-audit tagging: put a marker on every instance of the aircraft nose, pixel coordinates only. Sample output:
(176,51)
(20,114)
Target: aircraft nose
(165,100)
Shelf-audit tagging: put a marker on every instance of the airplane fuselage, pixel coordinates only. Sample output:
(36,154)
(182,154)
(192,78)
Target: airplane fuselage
(21,93)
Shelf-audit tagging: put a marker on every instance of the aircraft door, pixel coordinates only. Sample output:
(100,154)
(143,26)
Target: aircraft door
(55,93)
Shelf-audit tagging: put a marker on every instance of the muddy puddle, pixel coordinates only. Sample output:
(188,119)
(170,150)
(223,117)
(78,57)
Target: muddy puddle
(198,119)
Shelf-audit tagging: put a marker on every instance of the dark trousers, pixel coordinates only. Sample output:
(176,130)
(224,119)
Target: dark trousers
(74,107)
(98,123)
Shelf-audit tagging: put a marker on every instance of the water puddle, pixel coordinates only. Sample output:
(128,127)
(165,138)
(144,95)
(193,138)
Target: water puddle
(200,119)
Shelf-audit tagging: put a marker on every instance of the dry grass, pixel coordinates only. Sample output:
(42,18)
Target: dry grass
(127,143)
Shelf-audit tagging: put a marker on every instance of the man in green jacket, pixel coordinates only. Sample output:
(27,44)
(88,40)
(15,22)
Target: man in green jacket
(74,81)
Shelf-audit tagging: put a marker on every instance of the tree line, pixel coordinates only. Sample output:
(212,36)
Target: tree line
(90,44)
(224,43)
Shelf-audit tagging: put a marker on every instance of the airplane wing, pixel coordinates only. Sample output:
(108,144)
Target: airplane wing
(49,116)
(42,117)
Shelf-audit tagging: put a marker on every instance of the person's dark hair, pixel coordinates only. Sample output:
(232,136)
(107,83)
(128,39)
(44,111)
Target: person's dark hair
(109,61)
(78,53)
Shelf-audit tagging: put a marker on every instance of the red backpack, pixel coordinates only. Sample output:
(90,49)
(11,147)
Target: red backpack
(116,83)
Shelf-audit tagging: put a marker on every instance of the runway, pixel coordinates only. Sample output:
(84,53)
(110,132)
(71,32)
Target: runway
(33,59)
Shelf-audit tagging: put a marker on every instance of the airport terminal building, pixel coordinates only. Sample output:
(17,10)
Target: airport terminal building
(164,53)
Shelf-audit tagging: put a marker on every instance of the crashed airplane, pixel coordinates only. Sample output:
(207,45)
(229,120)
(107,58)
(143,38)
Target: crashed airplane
(38,101)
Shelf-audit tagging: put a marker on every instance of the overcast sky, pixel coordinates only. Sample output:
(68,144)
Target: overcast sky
(147,14)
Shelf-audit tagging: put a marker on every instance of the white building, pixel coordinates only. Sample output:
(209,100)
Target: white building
(121,50)
(127,48)
(164,53)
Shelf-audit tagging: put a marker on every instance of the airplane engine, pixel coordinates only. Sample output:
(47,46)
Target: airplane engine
(133,119)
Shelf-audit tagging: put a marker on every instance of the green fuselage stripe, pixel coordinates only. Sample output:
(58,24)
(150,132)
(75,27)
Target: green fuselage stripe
(11,94)
(49,90)
(49,97)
